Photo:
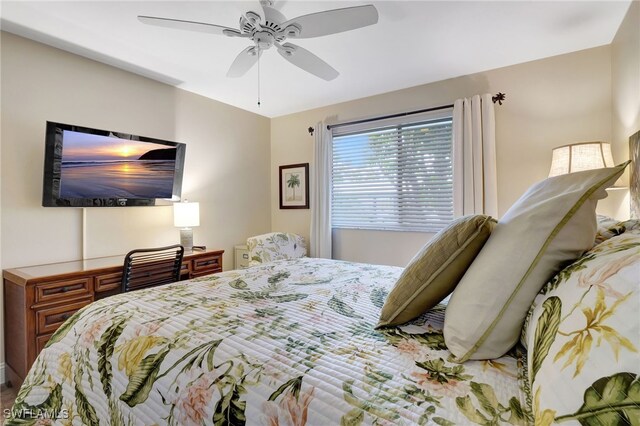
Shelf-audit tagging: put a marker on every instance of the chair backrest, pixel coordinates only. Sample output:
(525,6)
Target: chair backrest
(275,246)
(151,266)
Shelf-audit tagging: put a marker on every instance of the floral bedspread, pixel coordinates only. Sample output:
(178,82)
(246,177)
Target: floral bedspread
(285,343)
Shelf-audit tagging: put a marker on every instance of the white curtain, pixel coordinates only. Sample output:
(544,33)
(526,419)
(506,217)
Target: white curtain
(320,189)
(474,157)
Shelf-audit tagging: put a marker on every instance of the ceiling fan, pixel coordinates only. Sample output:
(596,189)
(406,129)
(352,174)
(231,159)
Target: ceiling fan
(272,29)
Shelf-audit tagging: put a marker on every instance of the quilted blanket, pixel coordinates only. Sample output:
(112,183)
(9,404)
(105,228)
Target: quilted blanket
(285,343)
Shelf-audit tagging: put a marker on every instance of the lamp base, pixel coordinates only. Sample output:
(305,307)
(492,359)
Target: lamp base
(186,238)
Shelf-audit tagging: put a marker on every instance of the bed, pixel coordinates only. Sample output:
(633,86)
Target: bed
(293,342)
(290,342)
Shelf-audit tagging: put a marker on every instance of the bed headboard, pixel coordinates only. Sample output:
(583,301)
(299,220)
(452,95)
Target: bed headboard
(634,182)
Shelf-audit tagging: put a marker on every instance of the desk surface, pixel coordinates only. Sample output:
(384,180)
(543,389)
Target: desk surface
(79,266)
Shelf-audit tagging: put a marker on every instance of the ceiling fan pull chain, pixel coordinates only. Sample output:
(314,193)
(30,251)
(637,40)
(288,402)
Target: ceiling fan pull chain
(258,78)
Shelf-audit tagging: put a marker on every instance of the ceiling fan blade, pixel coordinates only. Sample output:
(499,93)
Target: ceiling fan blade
(306,60)
(179,24)
(273,15)
(244,62)
(334,21)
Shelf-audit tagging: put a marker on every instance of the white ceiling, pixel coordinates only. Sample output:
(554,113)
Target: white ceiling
(414,42)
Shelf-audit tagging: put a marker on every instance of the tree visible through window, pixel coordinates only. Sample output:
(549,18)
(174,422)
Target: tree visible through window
(396,177)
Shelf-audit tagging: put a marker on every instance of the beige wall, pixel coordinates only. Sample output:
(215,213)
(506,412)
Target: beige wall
(625,93)
(227,158)
(550,102)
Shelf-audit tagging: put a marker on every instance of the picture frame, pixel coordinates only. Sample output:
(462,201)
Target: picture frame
(634,179)
(294,186)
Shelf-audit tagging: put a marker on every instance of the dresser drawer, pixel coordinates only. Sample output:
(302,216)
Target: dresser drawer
(207,264)
(66,289)
(185,269)
(49,319)
(108,282)
(41,341)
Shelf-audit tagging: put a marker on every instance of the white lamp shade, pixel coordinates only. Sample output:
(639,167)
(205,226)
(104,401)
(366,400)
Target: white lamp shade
(580,156)
(186,215)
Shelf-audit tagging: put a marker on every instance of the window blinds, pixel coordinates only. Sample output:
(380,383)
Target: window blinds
(393,176)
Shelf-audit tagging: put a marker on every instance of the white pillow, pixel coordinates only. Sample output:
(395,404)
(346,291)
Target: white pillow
(553,223)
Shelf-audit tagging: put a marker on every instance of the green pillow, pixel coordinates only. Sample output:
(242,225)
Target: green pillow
(434,272)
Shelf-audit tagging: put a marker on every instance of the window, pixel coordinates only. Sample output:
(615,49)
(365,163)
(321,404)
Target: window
(393,176)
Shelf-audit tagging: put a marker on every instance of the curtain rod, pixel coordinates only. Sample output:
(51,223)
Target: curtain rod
(499,97)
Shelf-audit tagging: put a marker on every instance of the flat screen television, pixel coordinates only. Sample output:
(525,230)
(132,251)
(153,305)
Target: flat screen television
(86,167)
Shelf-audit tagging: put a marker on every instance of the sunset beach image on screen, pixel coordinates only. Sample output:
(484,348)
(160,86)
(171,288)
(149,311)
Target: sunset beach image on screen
(95,166)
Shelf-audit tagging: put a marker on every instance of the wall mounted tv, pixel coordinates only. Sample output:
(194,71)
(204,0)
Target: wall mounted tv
(86,167)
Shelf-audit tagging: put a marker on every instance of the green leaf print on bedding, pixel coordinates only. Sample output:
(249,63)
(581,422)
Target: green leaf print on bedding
(295,384)
(85,409)
(433,339)
(105,351)
(342,308)
(546,331)
(493,412)
(238,284)
(438,371)
(565,273)
(289,297)
(613,400)
(278,277)
(142,379)
(49,408)
(378,296)
(250,296)
(230,409)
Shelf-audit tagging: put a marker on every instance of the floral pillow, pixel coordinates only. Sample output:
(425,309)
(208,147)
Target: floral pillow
(275,246)
(608,227)
(583,338)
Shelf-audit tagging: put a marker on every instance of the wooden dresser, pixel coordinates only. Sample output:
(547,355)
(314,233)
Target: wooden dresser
(38,299)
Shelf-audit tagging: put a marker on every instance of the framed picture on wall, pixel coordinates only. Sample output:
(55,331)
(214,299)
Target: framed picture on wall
(294,186)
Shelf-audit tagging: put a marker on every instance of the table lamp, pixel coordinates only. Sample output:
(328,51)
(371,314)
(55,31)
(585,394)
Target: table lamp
(581,156)
(185,216)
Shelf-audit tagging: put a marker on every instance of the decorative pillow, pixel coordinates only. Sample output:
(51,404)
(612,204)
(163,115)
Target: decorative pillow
(434,272)
(607,228)
(584,339)
(552,223)
(275,246)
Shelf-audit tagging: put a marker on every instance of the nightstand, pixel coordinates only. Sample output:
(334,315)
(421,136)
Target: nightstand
(241,257)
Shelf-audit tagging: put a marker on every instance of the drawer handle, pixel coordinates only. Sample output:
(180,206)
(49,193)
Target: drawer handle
(65,316)
(65,289)
(208,262)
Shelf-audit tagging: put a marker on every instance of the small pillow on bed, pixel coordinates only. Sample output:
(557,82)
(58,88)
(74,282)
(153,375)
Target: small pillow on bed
(434,272)
(553,223)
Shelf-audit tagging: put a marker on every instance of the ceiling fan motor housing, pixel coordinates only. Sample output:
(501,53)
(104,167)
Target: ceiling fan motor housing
(266,34)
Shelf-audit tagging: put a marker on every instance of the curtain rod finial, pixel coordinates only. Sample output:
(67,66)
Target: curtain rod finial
(498,98)
(310,130)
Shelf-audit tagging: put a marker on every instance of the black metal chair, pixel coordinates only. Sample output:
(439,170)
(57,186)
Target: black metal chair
(151,266)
